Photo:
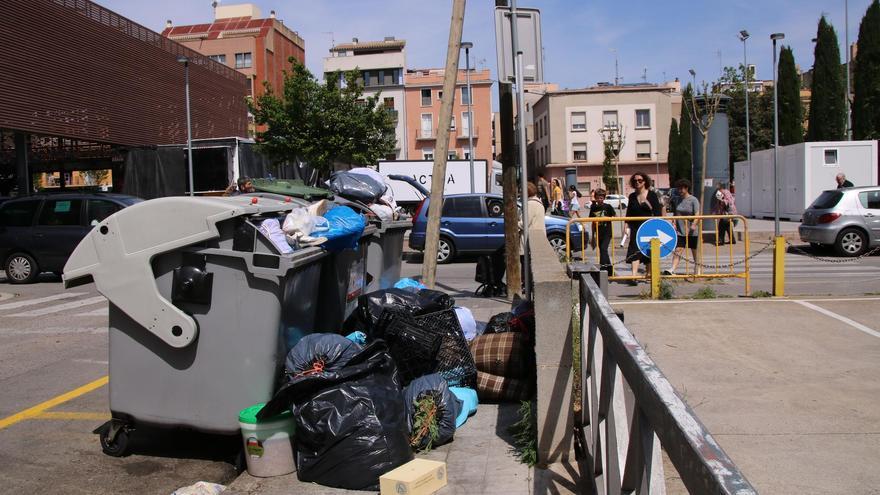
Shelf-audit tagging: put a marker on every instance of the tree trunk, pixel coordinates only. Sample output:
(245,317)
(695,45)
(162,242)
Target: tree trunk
(704,168)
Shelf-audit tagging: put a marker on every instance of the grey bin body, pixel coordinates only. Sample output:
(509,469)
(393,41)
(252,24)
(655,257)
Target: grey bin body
(343,280)
(385,254)
(244,319)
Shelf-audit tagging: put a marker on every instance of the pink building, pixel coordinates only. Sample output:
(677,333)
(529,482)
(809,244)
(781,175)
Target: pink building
(423,89)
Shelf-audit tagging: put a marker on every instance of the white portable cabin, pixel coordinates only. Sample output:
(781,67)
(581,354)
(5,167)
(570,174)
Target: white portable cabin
(805,170)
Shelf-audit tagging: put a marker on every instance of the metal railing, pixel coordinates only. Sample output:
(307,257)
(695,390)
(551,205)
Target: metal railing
(697,262)
(629,412)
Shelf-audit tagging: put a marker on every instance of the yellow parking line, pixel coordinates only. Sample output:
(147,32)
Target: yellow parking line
(35,411)
(86,416)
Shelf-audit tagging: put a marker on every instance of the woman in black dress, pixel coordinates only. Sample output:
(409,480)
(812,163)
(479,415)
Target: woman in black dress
(642,203)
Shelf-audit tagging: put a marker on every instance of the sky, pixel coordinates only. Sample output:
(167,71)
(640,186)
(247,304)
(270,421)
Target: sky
(657,40)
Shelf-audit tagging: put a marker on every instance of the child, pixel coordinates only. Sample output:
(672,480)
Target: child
(603,230)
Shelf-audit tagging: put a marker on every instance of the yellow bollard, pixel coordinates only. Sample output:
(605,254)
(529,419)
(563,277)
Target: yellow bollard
(779,266)
(655,268)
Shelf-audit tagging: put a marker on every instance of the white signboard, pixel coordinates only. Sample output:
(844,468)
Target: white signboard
(458,177)
(529,33)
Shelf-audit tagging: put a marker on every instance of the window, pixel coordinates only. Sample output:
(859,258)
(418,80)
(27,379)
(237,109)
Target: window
(538,129)
(578,121)
(465,123)
(427,154)
(98,209)
(427,125)
(830,157)
(426,97)
(643,150)
(218,58)
(463,207)
(60,212)
(18,213)
(242,60)
(389,103)
(439,95)
(643,119)
(452,124)
(580,152)
(828,199)
(870,200)
(609,119)
(465,96)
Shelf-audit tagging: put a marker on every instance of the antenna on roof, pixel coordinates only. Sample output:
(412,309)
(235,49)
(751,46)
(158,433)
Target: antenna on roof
(332,39)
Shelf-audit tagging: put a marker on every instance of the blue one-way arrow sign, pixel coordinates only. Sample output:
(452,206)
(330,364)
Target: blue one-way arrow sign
(656,228)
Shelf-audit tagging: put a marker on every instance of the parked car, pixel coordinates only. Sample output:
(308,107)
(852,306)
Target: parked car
(474,223)
(617,201)
(38,233)
(848,219)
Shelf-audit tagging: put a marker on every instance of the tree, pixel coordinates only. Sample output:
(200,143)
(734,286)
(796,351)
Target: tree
(866,77)
(685,161)
(703,116)
(791,115)
(608,170)
(322,124)
(672,160)
(827,107)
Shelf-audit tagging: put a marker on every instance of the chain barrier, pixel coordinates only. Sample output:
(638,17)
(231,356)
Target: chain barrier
(831,260)
(729,265)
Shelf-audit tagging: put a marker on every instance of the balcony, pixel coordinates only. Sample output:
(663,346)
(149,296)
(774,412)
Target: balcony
(425,134)
(463,133)
(393,113)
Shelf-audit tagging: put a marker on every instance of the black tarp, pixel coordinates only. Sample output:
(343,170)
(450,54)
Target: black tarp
(154,172)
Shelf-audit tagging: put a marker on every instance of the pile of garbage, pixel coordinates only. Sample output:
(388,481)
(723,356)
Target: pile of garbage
(402,381)
(365,185)
(323,223)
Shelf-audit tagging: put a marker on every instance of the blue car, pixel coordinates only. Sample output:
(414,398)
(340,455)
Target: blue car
(474,223)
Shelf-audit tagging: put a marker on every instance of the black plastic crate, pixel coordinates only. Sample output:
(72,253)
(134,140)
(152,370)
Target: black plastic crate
(431,343)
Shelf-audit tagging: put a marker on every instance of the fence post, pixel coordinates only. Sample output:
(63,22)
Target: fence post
(655,268)
(779,266)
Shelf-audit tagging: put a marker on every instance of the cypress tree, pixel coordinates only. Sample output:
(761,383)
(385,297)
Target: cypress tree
(827,108)
(866,77)
(685,153)
(673,159)
(791,116)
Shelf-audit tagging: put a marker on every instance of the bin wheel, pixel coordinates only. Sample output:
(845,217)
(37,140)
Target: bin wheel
(115,447)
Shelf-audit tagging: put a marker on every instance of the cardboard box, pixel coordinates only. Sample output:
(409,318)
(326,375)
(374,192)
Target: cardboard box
(416,477)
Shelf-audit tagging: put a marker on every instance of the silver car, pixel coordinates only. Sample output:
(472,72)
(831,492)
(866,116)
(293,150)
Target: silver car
(848,219)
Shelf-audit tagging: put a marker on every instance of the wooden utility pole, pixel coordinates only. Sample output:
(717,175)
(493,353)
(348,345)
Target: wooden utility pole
(441,151)
(509,183)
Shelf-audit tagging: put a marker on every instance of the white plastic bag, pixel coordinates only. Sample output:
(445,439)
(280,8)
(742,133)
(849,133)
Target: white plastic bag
(271,229)
(298,220)
(467,322)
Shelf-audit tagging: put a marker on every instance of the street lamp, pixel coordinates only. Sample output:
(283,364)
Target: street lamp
(743,36)
(467,45)
(775,37)
(848,94)
(185,61)
(693,77)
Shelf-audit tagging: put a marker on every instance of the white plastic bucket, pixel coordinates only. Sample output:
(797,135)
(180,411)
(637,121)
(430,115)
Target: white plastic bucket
(268,444)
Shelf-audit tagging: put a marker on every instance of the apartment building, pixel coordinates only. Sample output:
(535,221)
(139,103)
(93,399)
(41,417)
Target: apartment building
(424,88)
(568,127)
(381,65)
(239,38)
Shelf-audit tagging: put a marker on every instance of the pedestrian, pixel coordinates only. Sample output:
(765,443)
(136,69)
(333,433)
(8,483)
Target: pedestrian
(245,186)
(842,182)
(687,230)
(574,202)
(543,191)
(556,198)
(603,230)
(642,203)
(725,204)
(536,208)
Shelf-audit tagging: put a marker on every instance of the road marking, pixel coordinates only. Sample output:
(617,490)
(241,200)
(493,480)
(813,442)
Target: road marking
(62,307)
(97,312)
(35,411)
(31,302)
(85,416)
(740,300)
(858,326)
(91,361)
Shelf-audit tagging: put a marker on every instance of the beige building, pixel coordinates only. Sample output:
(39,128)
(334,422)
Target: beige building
(567,125)
(382,65)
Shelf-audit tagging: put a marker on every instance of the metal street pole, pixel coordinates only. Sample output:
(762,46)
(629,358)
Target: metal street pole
(189,150)
(744,35)
(848,109)
(467,70)
(520,113)
(657,163)
(775,37)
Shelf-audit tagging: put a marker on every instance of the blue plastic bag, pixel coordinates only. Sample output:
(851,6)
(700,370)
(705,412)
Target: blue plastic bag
(468,397)
(410,284)
(346,227)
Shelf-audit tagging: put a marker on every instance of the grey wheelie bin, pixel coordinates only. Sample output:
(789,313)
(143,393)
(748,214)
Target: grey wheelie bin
(385,254)
(203,308)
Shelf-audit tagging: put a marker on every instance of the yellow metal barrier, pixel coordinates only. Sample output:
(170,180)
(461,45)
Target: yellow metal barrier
(694,269)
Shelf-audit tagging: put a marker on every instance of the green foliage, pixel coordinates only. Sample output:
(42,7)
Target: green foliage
(866,77)
(791,115)
(684,167)
(322,124)
(667,291)
(674,158)
(705,293)
(827,110)
(525,434)
(425,422)
(608,175)
(761,293)
(760,116)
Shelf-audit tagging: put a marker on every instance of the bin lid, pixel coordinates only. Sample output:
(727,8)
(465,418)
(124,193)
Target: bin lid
(291,187)
(248,415)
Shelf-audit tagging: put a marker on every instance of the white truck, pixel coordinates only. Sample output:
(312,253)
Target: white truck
(458,178)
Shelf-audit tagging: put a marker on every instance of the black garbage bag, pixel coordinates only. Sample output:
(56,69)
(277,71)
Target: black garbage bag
(350,424)
(320,352)
(371,307)
(356,187)
(429,401)
(500,323)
